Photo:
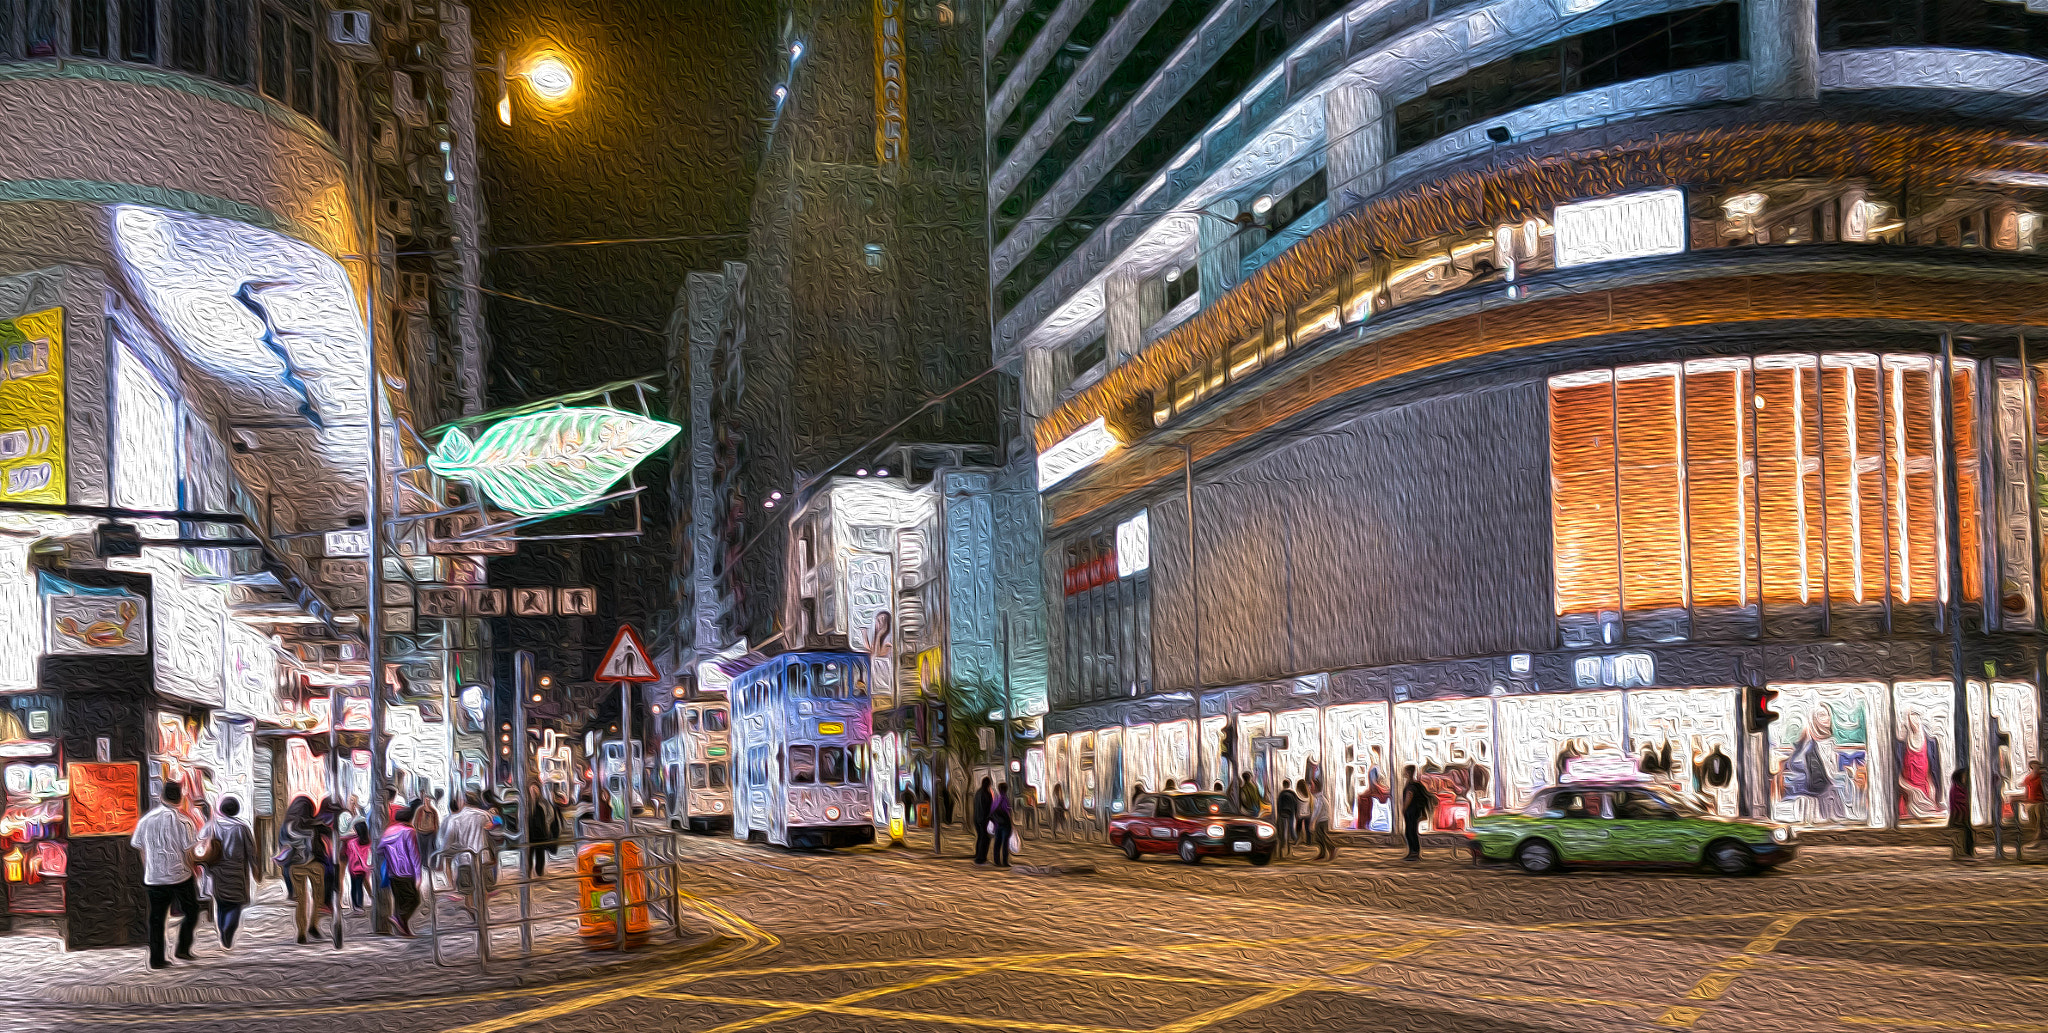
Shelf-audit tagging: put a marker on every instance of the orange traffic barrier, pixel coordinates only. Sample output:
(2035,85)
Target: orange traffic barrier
(601,891)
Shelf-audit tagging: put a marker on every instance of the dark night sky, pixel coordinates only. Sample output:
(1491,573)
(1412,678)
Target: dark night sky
(663,138)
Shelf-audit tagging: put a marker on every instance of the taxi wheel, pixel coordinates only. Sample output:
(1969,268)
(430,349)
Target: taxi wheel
(1188,852)
(1730,858)
(1537,857)
(1261,860)
(1131,850)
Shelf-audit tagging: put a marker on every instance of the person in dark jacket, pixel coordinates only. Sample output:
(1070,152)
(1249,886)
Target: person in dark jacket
(232,847)
(1965,843)
(999,816)
(543,829)
(984,801)
(1286,809)
(1415,802)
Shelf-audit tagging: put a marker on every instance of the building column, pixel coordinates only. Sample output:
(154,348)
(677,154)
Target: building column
(1222,250)
(1041,384)
(1359,141)
(1784,49)
(1123,316)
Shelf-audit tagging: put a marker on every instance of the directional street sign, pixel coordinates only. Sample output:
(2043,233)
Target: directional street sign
(1269,742)
(627,659)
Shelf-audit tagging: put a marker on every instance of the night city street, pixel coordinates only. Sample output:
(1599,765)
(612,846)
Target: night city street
(1890,938)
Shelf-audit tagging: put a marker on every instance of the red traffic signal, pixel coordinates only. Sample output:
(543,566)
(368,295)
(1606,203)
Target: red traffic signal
(1759,708)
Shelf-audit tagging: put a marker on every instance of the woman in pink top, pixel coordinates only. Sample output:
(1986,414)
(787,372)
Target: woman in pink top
(358,861)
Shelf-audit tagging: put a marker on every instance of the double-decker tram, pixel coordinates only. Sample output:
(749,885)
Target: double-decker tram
(697,757)
(800,725)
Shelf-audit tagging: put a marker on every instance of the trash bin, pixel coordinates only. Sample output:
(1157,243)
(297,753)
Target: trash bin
(600,888)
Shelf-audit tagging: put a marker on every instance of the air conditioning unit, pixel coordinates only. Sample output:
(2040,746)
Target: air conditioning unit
(349,28)
(412,291)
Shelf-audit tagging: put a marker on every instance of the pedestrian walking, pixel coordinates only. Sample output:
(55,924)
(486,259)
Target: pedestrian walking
(227,846)
(166,840)
(426,824)
(326,824)
(543,830)
(468,844)
(1059,808)
(999,817)
(1304,813)
(1031,809)
(1249,797)
(298,853)
(1286,809)
(2032,801)
(399,850)
(357,856)
(1965,836)
(1415,803)
(984,802)
(1319,826)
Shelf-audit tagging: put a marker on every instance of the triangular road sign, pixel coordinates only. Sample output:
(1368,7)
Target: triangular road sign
(627,659)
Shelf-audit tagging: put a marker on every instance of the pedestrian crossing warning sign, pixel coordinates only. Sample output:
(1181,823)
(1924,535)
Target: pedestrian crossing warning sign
(627,659)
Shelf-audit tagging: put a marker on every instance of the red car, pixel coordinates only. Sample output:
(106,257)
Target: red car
(1193,825)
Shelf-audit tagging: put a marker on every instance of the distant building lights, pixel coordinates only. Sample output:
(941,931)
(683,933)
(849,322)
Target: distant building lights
(861,472)
(1263,205)
(883,472)
(796,50)
(781,92)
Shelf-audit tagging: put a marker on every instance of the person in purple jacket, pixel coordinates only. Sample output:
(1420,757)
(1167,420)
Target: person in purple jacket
(400,847)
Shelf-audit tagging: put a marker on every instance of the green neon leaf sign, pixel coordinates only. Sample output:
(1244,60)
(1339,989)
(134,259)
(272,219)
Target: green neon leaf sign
(551,462)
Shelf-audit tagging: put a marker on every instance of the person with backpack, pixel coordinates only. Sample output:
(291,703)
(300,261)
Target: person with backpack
(227,847)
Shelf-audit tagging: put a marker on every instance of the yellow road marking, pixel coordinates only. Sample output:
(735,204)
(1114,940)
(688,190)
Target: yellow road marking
(1236,1008)
(1715,983)
(1091,973)
(1739,915)
(804,1007)
(1406,950)
(1576,1002)
(853,998)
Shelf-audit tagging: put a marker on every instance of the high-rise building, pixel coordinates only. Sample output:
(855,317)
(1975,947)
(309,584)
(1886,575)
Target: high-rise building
(213,214)
(1543,377)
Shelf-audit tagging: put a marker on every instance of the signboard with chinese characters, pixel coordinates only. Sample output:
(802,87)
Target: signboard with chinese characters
(106,799)
(889,100)
(353,542)
(97,624)
(32,408)
(1074,453)
(454,536)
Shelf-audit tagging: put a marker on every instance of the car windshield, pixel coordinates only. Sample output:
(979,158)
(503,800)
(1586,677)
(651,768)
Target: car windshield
(1203,805)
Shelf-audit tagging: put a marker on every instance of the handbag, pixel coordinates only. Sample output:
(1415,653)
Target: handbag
(991,828)
(1016,844)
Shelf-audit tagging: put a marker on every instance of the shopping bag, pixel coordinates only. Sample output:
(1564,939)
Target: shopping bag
(1016,844)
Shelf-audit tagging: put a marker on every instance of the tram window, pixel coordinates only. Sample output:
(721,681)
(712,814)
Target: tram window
(860,685)
(857,764)
(803,765)
(698,778)
(718,779)
(831,682)
(831,765)
(714,721)
(690,716)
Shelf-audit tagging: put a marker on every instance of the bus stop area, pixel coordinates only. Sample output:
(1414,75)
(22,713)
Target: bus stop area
(529,932)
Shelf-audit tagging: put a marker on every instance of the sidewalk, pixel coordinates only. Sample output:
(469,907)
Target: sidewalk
(268,966)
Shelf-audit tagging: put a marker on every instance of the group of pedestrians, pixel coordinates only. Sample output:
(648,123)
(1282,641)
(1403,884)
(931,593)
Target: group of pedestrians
(993,824)
(320,848)
(1302,816)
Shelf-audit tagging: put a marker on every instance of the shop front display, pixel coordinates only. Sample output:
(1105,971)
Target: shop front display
(2014,726)
(1686,740)
(1357,773)
(1301,759)
(1923,753)
(1176,761)
(1822,770)
(1448,741)
(1540,734)
(33,846)
(1140,761)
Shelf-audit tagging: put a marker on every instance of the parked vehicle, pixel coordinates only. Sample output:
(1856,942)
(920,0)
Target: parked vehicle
(1193,826)
(1626,824)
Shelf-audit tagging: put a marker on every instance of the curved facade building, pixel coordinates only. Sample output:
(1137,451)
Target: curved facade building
(1546,377)
(202,205)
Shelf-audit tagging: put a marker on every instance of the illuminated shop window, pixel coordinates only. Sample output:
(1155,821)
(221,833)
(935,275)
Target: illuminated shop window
(1729,490)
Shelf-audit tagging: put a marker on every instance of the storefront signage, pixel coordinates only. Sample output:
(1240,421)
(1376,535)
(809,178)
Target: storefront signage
(105,799)
(32,408)
(95,623)
(1134,545)
(889,100)
(1077,452)
(348,544)
(1092,574)
(1614,768)
(1612,229)
(1620,671)
(551,462)
(457,536)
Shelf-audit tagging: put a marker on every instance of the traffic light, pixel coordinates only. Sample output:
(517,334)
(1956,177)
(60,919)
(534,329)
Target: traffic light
(937,727)
(1759,708)
(1230,739)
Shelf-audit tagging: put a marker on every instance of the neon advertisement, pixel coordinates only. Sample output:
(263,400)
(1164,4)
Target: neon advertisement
(551,462)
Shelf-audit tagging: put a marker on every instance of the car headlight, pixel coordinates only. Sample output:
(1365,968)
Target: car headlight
(1782,834)
(831,814)
(1265,831)
(1214,831)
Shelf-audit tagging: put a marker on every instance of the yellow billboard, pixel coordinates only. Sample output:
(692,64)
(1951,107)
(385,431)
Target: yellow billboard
(32,408)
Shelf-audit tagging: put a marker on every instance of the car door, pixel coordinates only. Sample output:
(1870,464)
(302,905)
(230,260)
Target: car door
(1581,824)
(1162,828)
(1646,830)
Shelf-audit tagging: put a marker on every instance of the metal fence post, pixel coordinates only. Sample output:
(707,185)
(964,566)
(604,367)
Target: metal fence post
(480,898)
(619,870)
(675,885)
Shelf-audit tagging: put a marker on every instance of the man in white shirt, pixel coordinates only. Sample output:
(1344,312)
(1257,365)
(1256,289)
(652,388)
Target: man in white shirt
(466,839)
(166,840)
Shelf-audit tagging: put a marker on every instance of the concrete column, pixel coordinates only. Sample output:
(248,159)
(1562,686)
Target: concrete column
(1222,249)
(1784,49)
(1359,140)
(1123,316)
(1041,383)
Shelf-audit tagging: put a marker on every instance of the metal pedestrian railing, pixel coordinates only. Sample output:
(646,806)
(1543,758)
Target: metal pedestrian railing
(605,890)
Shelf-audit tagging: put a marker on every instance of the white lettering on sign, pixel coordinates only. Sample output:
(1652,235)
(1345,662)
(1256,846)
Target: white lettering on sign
(1077,452)
(348,543)
(1612,229)
(1134,545)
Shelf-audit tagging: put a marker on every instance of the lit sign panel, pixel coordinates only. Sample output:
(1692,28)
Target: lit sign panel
(831,728)
(32,408)
(1080,450)
(1615,228)
(551,462)
(1134,545)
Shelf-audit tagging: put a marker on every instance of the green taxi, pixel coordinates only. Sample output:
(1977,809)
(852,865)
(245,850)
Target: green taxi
(1625,825)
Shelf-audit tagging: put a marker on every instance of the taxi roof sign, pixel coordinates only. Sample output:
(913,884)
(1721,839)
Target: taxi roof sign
(627,659)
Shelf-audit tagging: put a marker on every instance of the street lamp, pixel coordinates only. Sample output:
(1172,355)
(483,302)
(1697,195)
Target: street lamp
(547,73)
